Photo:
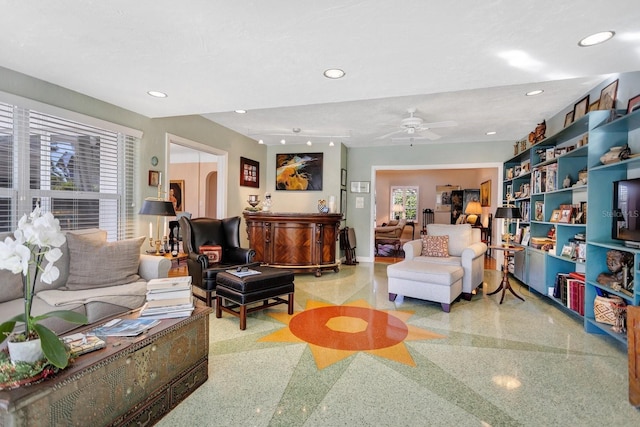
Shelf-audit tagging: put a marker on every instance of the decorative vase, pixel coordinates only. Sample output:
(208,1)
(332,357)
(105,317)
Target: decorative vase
(25,351)
(322,206)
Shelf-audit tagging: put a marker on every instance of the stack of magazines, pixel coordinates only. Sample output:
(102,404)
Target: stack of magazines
(169,297)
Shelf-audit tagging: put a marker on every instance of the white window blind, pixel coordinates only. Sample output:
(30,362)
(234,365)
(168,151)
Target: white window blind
(81,173)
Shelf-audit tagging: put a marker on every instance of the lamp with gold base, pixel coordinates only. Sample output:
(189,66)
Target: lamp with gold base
(158,207)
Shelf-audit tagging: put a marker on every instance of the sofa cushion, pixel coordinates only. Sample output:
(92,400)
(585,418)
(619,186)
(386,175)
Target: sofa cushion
(447,260)
(63,263)
(435,246)
(460,236)
(101,264)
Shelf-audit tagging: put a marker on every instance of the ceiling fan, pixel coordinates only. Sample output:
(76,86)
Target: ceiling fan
(415,128)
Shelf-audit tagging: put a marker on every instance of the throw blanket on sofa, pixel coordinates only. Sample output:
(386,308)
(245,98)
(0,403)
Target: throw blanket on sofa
(124,295)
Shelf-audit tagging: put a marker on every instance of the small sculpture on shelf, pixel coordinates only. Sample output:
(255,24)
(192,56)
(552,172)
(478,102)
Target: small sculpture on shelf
(567,182)
(266,205)
(620,265)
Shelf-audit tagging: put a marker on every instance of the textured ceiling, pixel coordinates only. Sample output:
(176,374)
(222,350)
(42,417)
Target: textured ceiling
(463,60)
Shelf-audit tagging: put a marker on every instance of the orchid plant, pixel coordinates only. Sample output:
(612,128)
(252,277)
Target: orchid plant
(37,238)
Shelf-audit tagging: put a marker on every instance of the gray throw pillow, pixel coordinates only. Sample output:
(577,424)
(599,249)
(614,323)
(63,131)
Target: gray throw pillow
(98,264)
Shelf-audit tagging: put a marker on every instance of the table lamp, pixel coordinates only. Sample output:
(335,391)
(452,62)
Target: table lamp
(508,213)
(158,207)
(473,212)
(397,209)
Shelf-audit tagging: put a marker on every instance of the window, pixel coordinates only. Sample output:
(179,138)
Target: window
(405,198)
(81,173)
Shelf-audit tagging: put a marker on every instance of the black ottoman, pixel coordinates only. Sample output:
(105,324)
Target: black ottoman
(270,284)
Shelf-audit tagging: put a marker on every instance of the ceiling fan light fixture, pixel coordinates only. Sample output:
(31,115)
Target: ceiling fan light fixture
(334,73)
(157,94)
(534,92)
(309,143)
(596,38)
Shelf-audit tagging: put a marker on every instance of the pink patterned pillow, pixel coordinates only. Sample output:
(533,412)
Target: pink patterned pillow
(436,246)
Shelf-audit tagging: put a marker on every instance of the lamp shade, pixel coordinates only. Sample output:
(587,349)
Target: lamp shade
(157,207)
(473,208)
(398,208)
(508,212)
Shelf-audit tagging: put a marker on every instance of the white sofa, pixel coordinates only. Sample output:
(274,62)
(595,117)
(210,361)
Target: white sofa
(97,278)
(440,278)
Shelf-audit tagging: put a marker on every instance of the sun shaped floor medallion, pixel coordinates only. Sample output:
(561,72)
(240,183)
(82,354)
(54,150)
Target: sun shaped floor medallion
(335,332)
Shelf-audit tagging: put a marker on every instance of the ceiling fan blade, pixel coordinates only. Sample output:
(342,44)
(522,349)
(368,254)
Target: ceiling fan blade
(445,124)
(390,134)
(432,136)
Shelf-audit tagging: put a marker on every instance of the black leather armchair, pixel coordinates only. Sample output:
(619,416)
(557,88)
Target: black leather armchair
(208,231)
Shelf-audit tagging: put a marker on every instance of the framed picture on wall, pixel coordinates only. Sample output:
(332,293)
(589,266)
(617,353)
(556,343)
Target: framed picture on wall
(485,193)
(343,203)
(249,173)
(443,197)
(608,96)
(299,171)
(343,177)
(154,178)
(176,194)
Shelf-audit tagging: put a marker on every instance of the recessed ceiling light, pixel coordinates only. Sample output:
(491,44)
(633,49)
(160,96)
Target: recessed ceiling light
(241,111)
(334,73)
(491,132)
(309,143)
(534,92)
(260,142)
(596,38)
(282,141)
(157,94)
(331,144)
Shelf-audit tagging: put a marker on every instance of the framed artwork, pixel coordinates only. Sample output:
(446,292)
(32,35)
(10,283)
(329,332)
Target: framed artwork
(581,108)
(555,216)
(249,173)
(343,177)
(299,171)
(594,106)
(567,251)
(634,104)
(608,96)
(443,197)
(154,178)
(360,186)
(568,119)
(485,193)
(176,194)
(343,203)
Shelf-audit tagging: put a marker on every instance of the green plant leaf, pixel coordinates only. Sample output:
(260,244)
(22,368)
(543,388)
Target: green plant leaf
(53,349)
(6,328)
(68,315)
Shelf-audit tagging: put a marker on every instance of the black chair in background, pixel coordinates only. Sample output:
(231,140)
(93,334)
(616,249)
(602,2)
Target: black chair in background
(348,245)
(205,232)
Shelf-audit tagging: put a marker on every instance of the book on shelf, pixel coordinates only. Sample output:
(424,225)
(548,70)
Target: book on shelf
(539,210)
(169,283)
(124,327)
(80,343)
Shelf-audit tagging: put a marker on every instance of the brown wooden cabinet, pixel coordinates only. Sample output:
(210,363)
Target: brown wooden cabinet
(633,337)
(301,242)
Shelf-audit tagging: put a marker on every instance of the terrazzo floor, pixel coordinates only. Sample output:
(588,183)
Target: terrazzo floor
(484,364)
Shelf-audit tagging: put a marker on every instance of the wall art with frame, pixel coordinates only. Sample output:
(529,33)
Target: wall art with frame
(176,194)
(443,197)
(249,173)
(299,171)
(608,96)
(485,194)
(154,178)
(343,203)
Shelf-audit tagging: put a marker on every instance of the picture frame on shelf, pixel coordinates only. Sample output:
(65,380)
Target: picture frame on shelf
(568,119)
(578,218)
(567,251)
(580,109)
(594,106)
(555,215)
(509,192)
(608,96)
(249,173)
(633,104)
(583,209)
(154,178)
(566,213)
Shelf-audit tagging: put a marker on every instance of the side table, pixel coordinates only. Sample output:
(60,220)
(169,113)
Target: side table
(509,252)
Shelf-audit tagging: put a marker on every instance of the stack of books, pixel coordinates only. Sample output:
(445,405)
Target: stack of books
(168,297)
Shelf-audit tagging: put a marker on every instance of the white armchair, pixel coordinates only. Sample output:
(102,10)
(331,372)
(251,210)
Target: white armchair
(466,249)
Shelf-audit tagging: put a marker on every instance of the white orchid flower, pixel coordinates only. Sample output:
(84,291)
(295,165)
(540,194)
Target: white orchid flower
(50,273)
(14,256)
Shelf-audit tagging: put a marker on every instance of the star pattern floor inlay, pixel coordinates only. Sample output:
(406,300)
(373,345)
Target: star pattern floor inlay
(335,332)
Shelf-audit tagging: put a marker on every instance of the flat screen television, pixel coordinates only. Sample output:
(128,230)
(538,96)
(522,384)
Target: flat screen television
(626,211)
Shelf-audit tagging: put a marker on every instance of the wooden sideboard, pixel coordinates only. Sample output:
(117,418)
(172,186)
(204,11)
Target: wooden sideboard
(133,381)
(301,242)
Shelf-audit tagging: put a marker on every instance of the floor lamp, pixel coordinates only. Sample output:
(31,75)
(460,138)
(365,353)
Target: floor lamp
(508,213)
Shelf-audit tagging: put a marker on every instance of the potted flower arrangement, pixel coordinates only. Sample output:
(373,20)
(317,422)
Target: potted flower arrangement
(37,238)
